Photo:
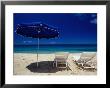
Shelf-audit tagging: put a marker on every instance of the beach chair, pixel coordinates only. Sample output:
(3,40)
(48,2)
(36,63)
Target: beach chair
(72,66)
(60,60)
(92,64)
(85,57)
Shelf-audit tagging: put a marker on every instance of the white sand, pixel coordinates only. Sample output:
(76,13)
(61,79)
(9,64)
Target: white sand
(25,64)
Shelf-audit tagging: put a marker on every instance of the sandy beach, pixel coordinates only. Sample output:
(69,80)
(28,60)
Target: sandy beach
(25,64)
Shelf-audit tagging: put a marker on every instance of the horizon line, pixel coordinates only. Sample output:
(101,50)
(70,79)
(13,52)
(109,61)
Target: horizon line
(58,44)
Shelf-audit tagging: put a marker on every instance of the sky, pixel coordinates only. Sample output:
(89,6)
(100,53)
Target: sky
(74,28)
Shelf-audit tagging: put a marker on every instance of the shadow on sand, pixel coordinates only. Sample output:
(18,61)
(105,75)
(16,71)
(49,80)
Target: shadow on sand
(44,67)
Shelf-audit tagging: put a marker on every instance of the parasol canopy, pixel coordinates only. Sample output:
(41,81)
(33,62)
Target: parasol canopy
(37,30)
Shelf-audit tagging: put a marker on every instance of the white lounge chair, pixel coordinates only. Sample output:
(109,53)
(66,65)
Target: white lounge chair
(72,66)
(85,57)
(60,60)
(92,64)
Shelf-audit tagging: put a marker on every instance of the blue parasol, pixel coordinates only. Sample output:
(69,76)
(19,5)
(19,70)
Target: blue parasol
(37,30)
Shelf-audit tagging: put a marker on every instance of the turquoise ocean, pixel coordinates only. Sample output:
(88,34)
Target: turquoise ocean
(72,48)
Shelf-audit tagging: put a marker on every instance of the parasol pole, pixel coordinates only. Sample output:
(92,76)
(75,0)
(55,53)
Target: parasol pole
(37,49)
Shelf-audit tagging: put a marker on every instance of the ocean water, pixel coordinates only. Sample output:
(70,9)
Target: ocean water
(55,48)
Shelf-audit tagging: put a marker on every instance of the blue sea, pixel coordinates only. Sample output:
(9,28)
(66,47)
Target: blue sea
(55,48)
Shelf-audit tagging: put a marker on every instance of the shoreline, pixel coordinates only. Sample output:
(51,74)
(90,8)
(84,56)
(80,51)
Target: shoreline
(56,52)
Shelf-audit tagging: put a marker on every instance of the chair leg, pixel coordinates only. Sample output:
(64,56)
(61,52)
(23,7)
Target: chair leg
(56,63)
(53,64)
(67,66)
